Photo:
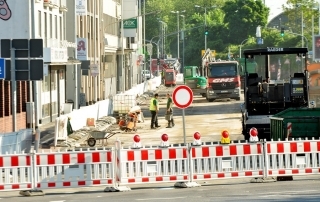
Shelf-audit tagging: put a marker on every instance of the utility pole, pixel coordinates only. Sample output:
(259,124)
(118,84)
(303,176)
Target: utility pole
(178,32)
(205,25)
(35,86)
(183,36)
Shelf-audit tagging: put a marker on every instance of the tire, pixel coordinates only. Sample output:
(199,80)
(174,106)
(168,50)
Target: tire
(203,94)
(91,142)
(238,98)
(210,100)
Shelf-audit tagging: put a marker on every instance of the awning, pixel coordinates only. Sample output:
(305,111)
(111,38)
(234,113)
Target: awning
(69,62)
(119,52)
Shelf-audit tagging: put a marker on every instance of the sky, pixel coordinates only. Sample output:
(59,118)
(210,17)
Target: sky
(275,7)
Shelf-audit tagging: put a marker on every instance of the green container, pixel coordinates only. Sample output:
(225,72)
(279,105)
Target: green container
(305,123)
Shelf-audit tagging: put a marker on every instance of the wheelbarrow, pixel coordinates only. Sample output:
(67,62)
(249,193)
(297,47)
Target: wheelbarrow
(99,135)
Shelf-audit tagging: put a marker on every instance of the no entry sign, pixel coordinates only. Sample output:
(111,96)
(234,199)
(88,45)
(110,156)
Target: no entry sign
(182,96)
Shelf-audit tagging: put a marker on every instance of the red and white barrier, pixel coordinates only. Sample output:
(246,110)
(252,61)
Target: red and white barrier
(227,161)
(289,130)
(292,158)
(15,172)
(74,169)
(152,165)
(140,165)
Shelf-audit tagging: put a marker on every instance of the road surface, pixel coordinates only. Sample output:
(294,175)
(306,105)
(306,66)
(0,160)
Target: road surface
(208,118)
(304,189)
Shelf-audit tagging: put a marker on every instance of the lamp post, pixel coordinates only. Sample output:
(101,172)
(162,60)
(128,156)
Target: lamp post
(205,22)
(182,34)
(163,34)
(178,30)
(241,46)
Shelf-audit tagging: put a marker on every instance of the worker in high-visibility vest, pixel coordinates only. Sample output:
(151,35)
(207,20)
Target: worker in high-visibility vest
(154,109)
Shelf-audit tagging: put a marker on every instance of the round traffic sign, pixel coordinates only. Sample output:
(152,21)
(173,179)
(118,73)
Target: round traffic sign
(182,96)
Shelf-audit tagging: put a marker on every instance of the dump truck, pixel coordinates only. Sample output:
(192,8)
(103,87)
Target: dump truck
(223,78)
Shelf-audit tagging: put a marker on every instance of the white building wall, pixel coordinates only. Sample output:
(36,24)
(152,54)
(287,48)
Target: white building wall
(16,23)
(110,8)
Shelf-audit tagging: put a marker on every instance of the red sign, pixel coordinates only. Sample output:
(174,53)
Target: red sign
(182,96)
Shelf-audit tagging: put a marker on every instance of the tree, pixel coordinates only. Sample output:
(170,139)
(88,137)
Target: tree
(242,17)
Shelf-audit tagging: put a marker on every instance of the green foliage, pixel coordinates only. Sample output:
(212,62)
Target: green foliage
(229,23)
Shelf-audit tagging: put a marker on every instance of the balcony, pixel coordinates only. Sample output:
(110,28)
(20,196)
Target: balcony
(51,3)
(63,6)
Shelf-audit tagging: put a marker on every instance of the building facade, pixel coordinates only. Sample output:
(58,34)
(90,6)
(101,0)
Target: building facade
(86,56)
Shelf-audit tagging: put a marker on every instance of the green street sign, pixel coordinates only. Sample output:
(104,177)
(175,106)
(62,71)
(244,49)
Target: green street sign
(130,23)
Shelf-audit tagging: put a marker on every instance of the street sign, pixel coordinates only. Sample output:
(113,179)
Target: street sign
(2,68)
(182,96)
(130,23)
(213,53)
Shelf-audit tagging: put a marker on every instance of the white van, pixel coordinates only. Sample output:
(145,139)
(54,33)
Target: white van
(146,73)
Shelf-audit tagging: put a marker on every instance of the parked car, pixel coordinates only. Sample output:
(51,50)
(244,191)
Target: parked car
(146,73)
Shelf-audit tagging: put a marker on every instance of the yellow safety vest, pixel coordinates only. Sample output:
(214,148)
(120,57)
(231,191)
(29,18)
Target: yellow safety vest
(152,106)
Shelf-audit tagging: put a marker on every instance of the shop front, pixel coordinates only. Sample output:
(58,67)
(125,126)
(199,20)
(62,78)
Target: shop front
(53,88)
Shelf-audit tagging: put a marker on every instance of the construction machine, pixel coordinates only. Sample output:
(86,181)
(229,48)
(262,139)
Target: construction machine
(280,82)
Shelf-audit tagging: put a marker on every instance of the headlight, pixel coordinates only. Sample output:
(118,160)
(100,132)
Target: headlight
(211,91)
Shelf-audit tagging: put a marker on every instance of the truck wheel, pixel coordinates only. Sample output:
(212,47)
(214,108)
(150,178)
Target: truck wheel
(210,100)
(238,98)
(203,94)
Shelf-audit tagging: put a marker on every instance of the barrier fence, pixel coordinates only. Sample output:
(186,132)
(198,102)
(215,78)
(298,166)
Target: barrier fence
(185,165)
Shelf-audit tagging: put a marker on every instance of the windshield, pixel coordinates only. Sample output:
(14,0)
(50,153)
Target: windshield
(222,70)
(281,66)
(188,72)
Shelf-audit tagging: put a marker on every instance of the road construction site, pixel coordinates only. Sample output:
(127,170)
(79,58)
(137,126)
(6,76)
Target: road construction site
(207,118)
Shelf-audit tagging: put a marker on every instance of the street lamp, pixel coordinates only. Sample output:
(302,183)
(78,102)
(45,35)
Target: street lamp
(182,34)
(178,30)
(241,46)
(205,23)
(163,34)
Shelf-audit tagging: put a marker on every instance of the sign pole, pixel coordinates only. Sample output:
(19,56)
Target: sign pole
(13,90)
(184,127)
(182,98)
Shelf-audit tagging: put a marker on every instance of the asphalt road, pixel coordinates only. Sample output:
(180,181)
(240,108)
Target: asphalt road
(302,189)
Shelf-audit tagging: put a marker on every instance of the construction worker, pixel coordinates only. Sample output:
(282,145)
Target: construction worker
(154,109)
(169,111)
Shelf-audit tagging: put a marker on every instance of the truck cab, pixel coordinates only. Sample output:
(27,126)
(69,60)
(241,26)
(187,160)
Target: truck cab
(223,80)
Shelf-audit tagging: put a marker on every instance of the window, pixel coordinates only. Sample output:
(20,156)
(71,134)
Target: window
(53,81)
(61,29)
(91,25)
(222,70)
(45,84)
(45,29)
(56,26)
(39,23)
(50,26)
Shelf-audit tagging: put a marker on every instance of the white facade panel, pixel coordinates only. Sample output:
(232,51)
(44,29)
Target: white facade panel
(130,9)
(15,20)
(110,8)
